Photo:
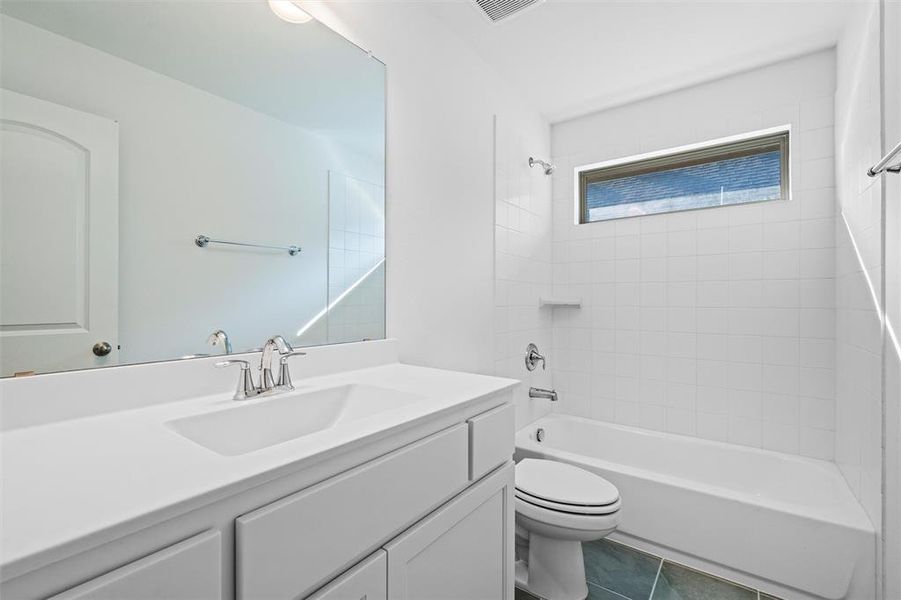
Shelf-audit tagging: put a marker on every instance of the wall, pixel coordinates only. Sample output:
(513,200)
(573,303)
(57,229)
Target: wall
(442,100)
(858,265)
(716,323)
(522,263)
(891,35)
(193,163)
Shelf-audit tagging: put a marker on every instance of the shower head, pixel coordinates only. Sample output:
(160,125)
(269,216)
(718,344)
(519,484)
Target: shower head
(548,167)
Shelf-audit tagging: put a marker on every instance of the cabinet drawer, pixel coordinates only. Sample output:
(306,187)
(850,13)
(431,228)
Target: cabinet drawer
(287,548)
(366,581)
(189,570)
(491,440)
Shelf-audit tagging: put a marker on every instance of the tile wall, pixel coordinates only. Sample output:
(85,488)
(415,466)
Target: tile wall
(522,266)
(716,323)
(859,265)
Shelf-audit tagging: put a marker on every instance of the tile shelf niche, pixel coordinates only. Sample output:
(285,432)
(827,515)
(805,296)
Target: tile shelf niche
(555,302)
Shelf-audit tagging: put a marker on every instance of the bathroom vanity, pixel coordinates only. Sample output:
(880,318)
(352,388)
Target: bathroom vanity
(403,490)
(249,207)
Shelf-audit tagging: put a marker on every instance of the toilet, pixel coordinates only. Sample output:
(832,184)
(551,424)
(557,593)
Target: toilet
(559,506)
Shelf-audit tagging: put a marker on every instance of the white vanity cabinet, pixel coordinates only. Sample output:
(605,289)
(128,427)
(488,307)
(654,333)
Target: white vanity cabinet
(425,513)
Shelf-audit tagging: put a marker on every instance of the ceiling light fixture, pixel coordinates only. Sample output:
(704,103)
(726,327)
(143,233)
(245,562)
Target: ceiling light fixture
(287,10)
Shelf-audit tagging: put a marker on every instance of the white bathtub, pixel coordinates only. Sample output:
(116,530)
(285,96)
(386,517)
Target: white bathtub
(762,517)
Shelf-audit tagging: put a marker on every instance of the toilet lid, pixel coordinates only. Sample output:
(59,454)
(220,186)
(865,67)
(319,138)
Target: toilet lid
(573,509)
(561,483)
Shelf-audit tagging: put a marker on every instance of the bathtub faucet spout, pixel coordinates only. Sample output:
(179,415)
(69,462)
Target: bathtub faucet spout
(535,392)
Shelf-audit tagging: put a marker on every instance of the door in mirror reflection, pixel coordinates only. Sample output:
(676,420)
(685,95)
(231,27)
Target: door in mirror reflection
(58,282)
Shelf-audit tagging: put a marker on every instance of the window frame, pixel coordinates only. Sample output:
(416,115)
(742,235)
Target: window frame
(737,146)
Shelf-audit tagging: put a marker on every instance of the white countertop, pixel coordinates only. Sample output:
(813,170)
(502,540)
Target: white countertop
(65,481)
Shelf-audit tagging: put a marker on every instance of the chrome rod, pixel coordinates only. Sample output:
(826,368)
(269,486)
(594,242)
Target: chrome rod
(881,167)
(202,241)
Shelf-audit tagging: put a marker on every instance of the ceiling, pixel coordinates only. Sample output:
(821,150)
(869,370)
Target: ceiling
(304,74)
(573,57)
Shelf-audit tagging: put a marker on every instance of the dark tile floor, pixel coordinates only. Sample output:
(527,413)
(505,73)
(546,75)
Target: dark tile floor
(618,572)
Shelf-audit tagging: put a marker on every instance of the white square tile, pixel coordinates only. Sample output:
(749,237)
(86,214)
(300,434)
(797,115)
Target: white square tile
(781,379)
(781,408)
(713,426)
(818,413)
(747,432)
(746,238)
(680,421)
(782,235)
(780,437)
(781,350)
(818,353)
(782,264)
(817,443)
(817,113)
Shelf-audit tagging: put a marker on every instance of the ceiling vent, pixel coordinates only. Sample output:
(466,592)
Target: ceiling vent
(498,10)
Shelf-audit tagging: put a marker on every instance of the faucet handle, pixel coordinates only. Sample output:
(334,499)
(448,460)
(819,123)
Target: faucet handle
(284,375)
(246,388)
(234,361)
(533,357)
(284,357)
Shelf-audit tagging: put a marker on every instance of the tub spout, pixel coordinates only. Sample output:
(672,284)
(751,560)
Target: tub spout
(535,392)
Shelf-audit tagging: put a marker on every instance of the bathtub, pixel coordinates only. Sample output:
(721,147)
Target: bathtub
(780,522)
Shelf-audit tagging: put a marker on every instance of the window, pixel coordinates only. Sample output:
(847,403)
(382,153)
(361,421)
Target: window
(750,168)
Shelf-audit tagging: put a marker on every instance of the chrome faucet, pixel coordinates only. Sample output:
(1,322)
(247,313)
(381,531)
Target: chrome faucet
(220,337)
(535,392)
(274,344)
(247,389)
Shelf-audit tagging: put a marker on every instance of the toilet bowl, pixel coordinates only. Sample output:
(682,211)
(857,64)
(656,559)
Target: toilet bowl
(559,506)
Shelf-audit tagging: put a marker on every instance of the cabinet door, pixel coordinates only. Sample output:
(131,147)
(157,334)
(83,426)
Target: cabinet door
(289,548)
(189,570)
(366,581)
(463,550)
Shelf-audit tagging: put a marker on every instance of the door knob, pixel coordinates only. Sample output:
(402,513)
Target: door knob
(102,348)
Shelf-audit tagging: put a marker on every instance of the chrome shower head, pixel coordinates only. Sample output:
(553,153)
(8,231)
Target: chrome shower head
(548,167)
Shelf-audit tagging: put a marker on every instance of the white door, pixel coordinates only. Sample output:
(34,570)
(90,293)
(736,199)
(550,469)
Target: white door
(59,236)
(463,550)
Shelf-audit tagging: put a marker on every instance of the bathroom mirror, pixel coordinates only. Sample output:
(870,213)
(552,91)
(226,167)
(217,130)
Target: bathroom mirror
(175,169)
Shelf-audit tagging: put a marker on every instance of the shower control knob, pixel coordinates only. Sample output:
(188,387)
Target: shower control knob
(102,349)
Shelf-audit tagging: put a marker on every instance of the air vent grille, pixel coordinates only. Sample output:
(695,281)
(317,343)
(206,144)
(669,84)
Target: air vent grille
(501,9)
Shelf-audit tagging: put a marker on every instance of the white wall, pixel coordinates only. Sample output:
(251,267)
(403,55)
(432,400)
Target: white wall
(442,100)
(193,163)
(892,352)
(522,263)
(858,450)
(716,323)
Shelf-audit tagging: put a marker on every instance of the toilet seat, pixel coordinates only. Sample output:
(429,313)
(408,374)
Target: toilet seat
(564,488)
(575,509)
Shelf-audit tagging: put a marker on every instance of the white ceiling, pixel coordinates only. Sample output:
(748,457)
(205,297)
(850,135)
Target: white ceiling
(572,57)
(303,74)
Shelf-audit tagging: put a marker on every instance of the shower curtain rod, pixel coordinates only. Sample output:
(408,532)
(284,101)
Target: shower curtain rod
(881,167)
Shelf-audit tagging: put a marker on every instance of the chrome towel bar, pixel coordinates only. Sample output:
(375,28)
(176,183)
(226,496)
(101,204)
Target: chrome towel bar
(202,241)
(882,165)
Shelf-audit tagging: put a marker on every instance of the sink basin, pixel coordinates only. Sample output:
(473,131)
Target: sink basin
(267,422)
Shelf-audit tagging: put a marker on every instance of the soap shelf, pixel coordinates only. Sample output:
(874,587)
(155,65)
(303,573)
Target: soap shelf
(560,302)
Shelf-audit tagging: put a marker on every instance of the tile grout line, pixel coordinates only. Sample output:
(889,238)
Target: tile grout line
(600,587)
(656,578)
